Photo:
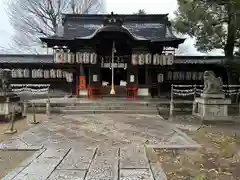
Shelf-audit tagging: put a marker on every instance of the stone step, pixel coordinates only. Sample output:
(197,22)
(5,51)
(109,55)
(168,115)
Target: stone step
(108,108)
(155,112)
(125,104)
(96,110)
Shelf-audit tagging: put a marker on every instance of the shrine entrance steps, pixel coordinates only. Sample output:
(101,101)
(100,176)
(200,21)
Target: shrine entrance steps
(128,107)
(99,106)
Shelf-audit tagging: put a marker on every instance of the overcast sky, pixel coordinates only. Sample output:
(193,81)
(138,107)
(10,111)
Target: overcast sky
(117,6)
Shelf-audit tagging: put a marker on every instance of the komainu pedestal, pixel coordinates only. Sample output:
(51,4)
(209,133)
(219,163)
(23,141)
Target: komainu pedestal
(210,109)
(212,105)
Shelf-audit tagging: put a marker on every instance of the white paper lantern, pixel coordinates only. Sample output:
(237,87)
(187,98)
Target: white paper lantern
(132,78)
(170,60)
(39,73)
(194,76)
(141,60)
(79,57)
(134,59)
(164,60)
(58,57)
(46,74)
(148,58)
(68,76)
(93,58)
(95,78)
(188,76)
(64,74)
(86,58)
(160,78)
(26,73)
(200,76)
(14,73)
(34,73)
(53,73)
(64,57)
(156,59)
(19,75)
(70,58)
(181,76)
(59,73)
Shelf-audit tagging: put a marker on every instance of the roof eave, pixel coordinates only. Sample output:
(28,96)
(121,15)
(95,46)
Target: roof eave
(52,41)
(170,42)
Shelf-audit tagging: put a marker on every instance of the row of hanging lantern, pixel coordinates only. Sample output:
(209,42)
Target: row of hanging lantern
(177,75)
(42,74)
(86,58)
(63,55)
(155,59)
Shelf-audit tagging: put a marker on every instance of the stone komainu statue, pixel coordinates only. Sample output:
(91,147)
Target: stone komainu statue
(5,77)
(212,84)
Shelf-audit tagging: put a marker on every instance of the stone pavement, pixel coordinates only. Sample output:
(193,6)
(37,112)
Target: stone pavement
(101,147)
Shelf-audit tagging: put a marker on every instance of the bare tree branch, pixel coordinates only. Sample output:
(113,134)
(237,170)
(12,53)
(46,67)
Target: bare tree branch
(32,19)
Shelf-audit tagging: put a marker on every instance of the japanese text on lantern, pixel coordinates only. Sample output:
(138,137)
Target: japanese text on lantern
(156,59)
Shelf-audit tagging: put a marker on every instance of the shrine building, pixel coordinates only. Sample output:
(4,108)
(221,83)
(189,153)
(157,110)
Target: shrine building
(113,55)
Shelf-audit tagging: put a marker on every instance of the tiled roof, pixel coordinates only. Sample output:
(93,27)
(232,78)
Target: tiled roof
(149,27)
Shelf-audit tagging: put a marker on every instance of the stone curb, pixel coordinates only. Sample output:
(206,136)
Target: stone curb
(155,164)
(177,130)
(4,147)
(170,146)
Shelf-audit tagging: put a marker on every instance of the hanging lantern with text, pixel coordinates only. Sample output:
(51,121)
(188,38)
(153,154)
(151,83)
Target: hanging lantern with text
(86,58)
(146,58)
(135,59)
(58,56)
(64,57)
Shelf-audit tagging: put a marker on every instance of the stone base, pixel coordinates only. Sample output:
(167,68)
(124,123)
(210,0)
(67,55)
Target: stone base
(211,109)
(213,96)
(83,93)
(8,104)
(11,132)
(143,92)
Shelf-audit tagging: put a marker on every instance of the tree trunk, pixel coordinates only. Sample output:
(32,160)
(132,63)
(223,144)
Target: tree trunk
(230,44)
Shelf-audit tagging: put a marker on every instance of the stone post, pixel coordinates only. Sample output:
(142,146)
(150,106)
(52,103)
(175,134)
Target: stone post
(12,130)
(34,121)
(194,96)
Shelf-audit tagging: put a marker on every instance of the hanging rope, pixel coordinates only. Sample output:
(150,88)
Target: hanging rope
(26,88)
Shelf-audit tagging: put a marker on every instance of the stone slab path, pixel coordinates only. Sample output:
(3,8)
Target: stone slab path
(86,164)
(89,147)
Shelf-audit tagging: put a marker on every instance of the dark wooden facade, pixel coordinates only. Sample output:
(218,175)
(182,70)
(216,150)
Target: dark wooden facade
(182,64)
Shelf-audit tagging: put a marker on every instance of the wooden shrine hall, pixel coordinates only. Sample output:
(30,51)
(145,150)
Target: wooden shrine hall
(114,54)
(117,55)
